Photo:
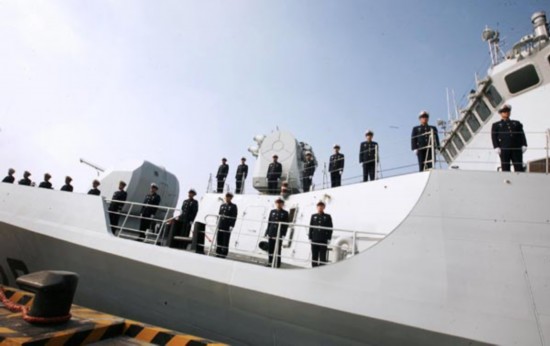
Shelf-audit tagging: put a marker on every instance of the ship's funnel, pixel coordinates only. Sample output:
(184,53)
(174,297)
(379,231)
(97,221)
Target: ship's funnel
(540,25)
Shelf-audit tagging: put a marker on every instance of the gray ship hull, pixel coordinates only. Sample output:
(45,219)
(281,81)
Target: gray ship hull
(469,264)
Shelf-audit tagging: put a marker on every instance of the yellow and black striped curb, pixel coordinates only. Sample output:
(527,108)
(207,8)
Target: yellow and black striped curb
(161,336)
(86,327)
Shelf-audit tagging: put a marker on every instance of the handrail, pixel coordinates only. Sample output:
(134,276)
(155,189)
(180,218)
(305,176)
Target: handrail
(166,218)
(355,236)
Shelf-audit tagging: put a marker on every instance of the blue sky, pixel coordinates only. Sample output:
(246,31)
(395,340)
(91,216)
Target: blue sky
(183,83)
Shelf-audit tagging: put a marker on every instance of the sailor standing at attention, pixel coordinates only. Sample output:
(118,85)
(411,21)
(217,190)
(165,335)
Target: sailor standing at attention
(116,206)
(26,181)
(147,211)
(223,170)
(509,140)
(94,190)
(320,237)
(274,173)
(67,187)
(274,226)
(368,156)
(9,178)
(227,218)
(46,183)
(182,225)
(309,170)
(336,167)
(242,173)
(422,143)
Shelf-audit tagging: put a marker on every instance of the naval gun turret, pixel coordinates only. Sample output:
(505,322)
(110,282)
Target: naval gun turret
(138,176)
(291,155)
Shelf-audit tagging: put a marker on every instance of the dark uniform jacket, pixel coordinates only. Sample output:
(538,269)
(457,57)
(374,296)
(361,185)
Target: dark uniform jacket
(309,168)
(274,171)
(222,171)
(67,187)
(152,199)
(508,134)
(228,216)
(189,210)
(368,151)
(95,192)
(9,179)
(320,235)
(276,216)
(118,196)
(242,172)
(45,185)
(336,163)
(25,181)
(420,137)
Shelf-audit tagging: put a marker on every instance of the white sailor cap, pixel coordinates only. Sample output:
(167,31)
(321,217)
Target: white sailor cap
(154,185)
(336,146)
(505,107)
(369,132)
(308,152)
(423,114)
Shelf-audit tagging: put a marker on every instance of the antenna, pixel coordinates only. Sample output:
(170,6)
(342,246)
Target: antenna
(448,105)
(98,168)
(457,113)
(492,38)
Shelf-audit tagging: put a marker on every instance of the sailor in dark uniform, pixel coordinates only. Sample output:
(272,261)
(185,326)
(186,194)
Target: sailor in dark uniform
(183,223)
(67,187)
(223,170)
(46,183)
(94,190)
(26,181)
(336,167)
(274,225)
(242,173)
(116,206)
(368,156)
(274,173)
(320,237)
(509,140)
(309,170)
(148,211)
(9,178)
(422,142)
(227,218)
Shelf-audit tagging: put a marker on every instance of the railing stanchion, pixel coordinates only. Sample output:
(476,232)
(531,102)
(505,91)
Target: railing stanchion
(275,257)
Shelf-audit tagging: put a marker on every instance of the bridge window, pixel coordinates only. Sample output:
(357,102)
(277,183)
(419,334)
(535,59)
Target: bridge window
(493,96)
(482,110)
(472,121)
(522,79)
(446,156)
(465,132)
(458,142)
(451,149)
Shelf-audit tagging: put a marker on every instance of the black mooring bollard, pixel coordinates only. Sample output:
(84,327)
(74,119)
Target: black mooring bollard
(53,292)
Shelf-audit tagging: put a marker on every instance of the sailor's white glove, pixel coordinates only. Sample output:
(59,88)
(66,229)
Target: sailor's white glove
(230,228)
(523,149)
(415,151)
(497,150)
(341,172)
